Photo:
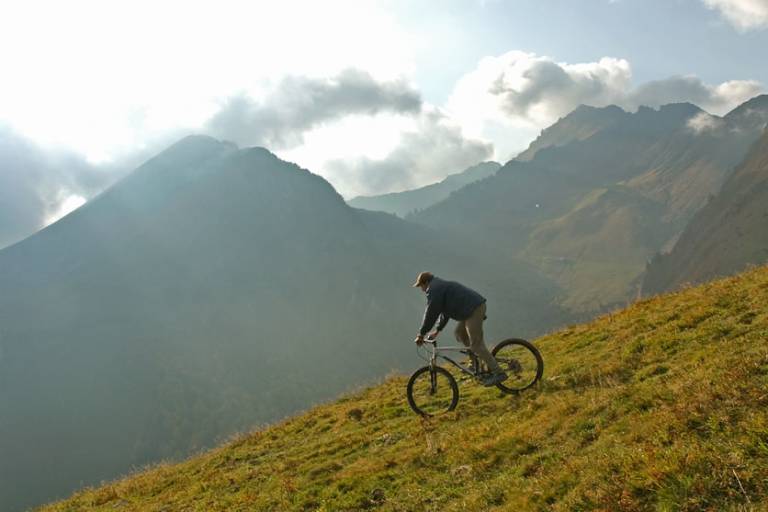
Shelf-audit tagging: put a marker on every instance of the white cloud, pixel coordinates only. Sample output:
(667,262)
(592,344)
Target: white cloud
(433,148)
(349,139)
(520,93)
(742,14)
(298,104)
(37,185)
(703,123)
(717,99)
(70,203)
(101,78)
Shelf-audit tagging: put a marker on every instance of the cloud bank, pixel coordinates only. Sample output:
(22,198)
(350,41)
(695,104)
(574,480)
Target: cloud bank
(433,149)
(427,145)
(717,99)
(703,123)
(36,183)
(298,104)
(742,14)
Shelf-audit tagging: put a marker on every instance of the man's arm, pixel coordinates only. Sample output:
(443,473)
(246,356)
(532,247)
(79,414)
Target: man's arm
(435,299)
(442,320)
(430,316)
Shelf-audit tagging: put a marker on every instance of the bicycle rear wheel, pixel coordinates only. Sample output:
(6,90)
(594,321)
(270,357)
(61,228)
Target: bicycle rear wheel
(521,361)
(432,391)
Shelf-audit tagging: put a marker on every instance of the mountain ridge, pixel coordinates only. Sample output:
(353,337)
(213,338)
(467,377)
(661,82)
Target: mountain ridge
(403,203)
(751,112)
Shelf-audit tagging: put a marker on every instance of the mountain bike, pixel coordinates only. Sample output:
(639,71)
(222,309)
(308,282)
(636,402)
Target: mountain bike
(432,390)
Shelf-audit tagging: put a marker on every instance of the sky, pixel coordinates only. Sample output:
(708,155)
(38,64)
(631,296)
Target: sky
(374,95)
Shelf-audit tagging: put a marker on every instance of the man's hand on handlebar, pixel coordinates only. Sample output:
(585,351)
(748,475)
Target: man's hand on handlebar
(430,337)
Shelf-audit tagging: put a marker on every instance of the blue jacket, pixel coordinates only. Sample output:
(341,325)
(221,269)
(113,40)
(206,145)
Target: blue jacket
(448,299)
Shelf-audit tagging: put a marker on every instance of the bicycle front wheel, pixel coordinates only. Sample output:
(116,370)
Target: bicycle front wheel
(432,391)
(521,361)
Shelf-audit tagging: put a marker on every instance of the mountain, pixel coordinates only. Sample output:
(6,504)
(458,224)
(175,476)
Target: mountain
(728,234)
(212,289)
(752,114)
(581,124)
(590,208)
(403,203)
(661,406)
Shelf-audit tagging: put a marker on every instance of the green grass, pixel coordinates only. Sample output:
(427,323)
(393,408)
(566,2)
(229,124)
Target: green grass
(662,406)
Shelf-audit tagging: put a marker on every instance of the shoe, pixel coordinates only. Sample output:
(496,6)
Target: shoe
(494,378)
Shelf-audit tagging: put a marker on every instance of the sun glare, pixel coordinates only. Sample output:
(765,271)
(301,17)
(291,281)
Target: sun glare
(69,205)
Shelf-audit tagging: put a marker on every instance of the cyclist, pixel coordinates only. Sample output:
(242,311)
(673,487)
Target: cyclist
(449,299)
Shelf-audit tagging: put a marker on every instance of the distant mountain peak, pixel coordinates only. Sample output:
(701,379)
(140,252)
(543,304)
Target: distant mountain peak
(670,111)
(200,140)
(685,109)
(259,153)
(191,150)
(758,102)
(585,121)
(403,203)
(750,115)
(590,110)
(579,124)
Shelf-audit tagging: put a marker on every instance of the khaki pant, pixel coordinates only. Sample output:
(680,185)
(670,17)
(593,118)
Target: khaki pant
(470,333)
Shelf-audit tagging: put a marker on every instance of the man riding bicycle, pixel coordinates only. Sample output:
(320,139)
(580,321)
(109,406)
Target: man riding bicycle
(449,299)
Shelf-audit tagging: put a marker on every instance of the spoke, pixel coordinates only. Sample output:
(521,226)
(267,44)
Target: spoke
(520,364)
(432,394)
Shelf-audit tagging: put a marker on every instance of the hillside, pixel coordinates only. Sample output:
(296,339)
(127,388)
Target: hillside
(403,203)
(212,289)
(728,234)
(601,192)
(661,406)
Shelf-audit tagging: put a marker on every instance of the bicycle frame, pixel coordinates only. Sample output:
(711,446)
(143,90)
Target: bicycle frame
(436,353)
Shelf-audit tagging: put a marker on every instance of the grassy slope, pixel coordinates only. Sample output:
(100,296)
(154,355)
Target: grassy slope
(661,406)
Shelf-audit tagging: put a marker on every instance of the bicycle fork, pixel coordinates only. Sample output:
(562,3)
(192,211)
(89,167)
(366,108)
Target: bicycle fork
(432,381)
(433,373)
